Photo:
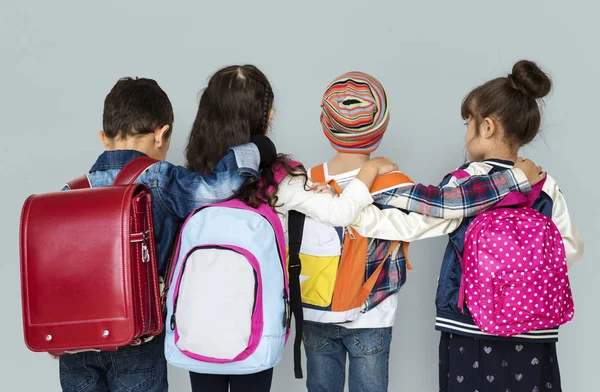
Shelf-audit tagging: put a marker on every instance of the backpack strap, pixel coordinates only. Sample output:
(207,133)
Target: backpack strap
(460,174)
(295,231)
(368,286)
(133,170)
(81,182)
(166,283)
(280,173)
(126,176)
(390,181)
(517,199)
(317,174)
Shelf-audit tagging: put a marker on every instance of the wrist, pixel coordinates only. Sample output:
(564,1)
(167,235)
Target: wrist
(266,149)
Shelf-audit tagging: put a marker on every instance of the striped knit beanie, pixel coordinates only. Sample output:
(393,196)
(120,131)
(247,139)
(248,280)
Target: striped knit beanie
(355,113)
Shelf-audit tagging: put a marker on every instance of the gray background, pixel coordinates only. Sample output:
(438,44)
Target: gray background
(58,60)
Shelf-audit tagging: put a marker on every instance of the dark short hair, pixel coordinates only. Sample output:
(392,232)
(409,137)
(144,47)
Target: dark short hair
(135,107)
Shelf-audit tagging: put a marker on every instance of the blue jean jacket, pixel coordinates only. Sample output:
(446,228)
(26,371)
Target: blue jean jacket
(177,191)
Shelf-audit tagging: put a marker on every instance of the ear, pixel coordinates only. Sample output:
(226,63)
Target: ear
(106,141)
(160,136)
(489,128)
(271,114)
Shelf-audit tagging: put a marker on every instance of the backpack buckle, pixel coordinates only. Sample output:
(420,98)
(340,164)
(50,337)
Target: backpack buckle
(145,253)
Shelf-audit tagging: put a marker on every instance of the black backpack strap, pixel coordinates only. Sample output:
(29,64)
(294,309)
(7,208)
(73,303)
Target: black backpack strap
(295,231)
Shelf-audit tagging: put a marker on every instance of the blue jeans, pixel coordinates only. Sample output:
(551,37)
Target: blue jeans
(326,348)
(130,369)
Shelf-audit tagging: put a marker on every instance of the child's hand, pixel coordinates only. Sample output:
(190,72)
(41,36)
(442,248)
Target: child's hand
(319,187)
(373,168)
(53,356)
(383,165)
(534,173)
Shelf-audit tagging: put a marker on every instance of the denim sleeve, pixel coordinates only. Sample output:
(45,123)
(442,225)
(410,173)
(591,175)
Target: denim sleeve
(181,191)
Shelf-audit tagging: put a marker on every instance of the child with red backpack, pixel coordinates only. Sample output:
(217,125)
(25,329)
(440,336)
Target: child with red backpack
(503,288)
(138,122)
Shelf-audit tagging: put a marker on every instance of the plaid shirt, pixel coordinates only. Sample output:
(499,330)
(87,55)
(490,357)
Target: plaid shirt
(392,275)
(458,199)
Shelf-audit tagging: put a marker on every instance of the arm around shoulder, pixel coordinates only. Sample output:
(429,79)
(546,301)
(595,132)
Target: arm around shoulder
(457,197)
(323,207)
(182,190)
(397,225)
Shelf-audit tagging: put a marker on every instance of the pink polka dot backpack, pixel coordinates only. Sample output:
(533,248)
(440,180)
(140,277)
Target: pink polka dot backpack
(514,269)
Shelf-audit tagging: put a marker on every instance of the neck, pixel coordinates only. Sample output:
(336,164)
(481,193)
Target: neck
(344,162)
(132,143)
(504,152)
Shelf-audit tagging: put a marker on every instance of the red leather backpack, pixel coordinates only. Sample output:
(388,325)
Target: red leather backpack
(89,277)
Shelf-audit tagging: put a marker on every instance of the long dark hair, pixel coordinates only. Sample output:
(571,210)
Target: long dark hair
(235,106)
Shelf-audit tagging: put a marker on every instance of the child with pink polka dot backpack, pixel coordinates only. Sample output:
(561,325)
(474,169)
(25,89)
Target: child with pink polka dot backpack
(514,268)
(504,289)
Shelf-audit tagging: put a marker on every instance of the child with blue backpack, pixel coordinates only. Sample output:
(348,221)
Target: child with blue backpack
(137,122)
(236,106)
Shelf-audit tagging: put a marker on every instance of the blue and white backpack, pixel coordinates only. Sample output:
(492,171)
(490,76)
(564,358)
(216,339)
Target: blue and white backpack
(228,305)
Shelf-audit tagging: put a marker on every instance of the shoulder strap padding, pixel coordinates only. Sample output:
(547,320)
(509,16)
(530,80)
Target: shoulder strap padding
(317,173)
(81,182)
(130,173)
(390,180)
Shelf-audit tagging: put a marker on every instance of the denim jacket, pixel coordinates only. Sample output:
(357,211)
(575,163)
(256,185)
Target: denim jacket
(177,191)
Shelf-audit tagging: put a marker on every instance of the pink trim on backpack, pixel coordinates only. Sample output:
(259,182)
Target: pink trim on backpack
(460,174)
(514,272)
(264,210)
(257,320)
(268,213)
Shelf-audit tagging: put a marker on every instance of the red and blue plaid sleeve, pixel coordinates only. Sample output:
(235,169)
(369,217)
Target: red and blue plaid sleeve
(459,199)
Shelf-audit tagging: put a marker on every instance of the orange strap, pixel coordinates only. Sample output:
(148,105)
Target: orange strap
(391,180)
(405,250)
(351,272)
(366,289)
(317,174)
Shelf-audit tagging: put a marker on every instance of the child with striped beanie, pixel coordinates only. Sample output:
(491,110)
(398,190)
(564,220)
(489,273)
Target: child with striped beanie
(355,113)
(354,118)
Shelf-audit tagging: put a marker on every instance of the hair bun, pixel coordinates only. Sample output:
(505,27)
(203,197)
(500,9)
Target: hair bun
(528,78)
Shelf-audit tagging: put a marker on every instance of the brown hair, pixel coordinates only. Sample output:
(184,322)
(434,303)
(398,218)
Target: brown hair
(234,107)
(512,100)
(136,107)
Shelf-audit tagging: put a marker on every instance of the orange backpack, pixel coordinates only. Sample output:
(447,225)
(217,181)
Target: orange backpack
(335,287)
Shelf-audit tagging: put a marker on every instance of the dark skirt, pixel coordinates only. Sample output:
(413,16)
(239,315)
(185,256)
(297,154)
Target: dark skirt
(481,365)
